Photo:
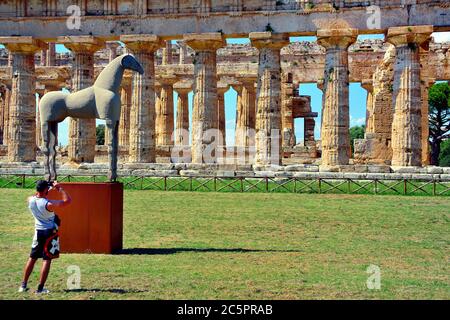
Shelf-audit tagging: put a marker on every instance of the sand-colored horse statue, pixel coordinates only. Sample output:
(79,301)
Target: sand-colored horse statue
(101,101)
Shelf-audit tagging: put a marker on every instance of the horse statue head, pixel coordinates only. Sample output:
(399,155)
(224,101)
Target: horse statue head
(129,62)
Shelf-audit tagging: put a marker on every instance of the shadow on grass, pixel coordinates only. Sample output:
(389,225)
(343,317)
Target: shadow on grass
(155,251)
(97,290)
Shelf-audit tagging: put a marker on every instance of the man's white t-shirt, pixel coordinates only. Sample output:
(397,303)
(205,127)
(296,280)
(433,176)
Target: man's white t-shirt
(43,218)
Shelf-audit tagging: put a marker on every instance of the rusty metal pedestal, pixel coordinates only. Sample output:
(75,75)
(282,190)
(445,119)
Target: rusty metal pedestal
(93,222)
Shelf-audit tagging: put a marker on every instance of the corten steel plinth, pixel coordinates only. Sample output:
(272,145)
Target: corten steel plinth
(93,222)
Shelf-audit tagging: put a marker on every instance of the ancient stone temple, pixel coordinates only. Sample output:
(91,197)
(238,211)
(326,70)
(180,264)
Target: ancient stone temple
(182,47)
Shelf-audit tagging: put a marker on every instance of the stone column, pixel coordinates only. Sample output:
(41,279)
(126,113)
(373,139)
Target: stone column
(48,56)
(310,124)
(3,104)
(182,125)
(6,106)
(407,122)
(221,125)
(287,112)
(183,52)
(22,111)
(4,114)
(124,122)
(43,60)
(51,54)
(167,53)
(164,125)
(335,116)
(204,116)
(245,124)
(82,132)
(367,84)
(2,111)
(238,122)
(142,115)
(268,116)
(112,49)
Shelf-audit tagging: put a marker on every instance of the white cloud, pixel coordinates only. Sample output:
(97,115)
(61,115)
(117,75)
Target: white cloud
(357,121)
(441,36)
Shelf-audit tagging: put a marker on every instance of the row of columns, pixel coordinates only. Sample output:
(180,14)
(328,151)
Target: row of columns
(208,110)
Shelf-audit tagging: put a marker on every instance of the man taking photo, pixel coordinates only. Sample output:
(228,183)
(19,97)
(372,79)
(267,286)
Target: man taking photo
(45,242)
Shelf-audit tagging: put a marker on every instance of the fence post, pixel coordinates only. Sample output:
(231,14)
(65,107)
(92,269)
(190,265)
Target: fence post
(23,181)
(405,186)
(320,185)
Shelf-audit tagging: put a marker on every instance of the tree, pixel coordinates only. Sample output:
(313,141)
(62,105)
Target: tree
(439,117)
(356,132)
(444,157)
(100,130)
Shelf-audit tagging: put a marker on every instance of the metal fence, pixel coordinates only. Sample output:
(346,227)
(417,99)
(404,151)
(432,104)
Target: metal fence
(253,184)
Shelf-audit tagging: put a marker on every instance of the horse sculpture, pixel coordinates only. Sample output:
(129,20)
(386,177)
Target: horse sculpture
(100,101)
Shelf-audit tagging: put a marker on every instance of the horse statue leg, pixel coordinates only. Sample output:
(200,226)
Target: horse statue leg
(52,152)
(113,128)
(45,131)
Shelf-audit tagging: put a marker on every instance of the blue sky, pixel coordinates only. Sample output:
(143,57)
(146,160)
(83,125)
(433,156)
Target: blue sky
(358,97)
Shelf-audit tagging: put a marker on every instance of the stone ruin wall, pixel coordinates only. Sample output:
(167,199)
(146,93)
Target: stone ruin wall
(302,62)
(332,62)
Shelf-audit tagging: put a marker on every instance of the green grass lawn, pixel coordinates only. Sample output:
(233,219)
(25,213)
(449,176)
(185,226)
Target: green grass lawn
(249,246)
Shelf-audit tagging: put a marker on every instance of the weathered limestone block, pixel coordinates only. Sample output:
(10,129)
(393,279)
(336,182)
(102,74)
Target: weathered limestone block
(142,114)
(164,122)
(22,109)
(238,124)
(4,114)
(182,125)
(335,117)
(204,116)
(246,112)
(407,121)
(82,133)
(221,113)
(379,116)
(167,53)
(287,112)
(124,122)
(268,115)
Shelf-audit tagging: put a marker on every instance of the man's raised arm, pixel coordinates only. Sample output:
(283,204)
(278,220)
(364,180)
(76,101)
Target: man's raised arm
(66,200)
